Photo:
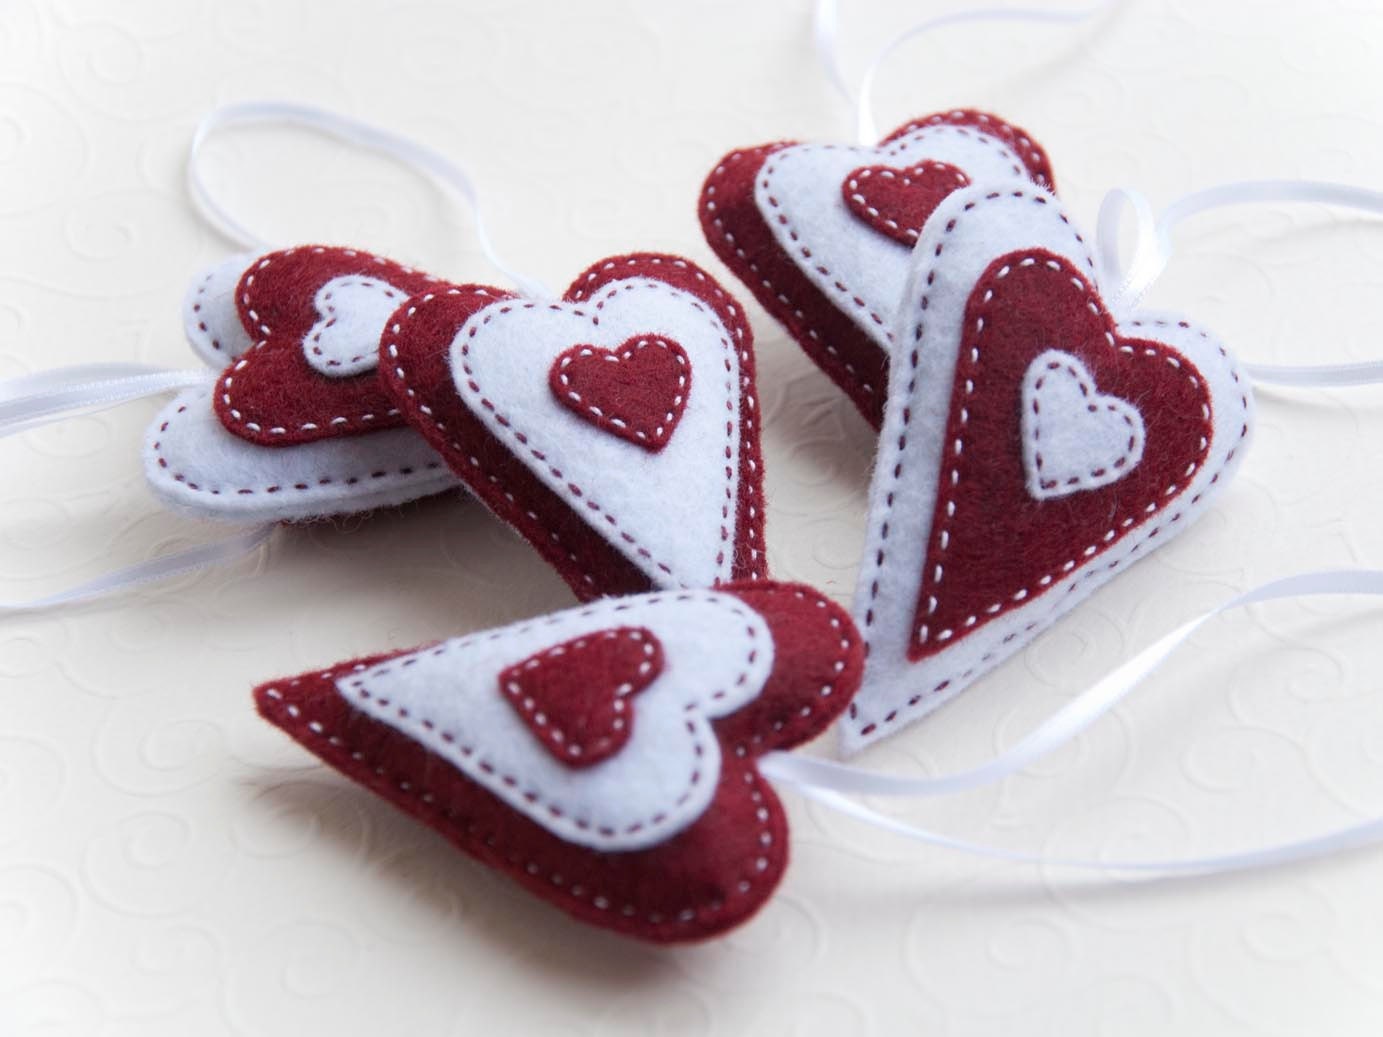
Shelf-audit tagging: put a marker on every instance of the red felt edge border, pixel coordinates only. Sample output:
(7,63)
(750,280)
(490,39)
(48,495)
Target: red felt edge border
(709,878)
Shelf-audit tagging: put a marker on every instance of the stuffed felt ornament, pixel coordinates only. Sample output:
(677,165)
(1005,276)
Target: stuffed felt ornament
(821,233)
(616,429)
(603,757)
(298,425)
(1033,446)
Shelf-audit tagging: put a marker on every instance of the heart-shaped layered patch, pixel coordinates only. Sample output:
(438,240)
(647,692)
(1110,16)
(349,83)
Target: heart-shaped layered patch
(297,426)
(672,834)
(1032,447)
(821,233)
(316,314)
(636,391)
(616,429)
(576,697)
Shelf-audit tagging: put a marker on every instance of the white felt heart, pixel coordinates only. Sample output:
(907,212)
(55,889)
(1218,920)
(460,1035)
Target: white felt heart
(449,699)
(1074,438)
(354,310)
(193,463)
(210,316)
(672,510)
(798,193)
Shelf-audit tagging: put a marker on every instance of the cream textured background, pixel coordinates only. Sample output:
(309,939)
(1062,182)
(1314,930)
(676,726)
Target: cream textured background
(170,865)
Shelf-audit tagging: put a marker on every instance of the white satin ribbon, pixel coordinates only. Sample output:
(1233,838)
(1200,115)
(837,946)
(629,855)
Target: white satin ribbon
(218,553)
(352,131)
(29,401)
(831,783)
(826,28)
(1152,251)
(37,399)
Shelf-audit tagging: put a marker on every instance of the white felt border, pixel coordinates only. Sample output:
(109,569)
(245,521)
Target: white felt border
(194,464)
(717,654)
(210,316)
(1000,219)
(798,195)
(672,513)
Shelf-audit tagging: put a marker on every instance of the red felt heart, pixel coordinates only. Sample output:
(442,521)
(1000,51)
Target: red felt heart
(705,879)
(637,392)
(896,202)
(575,697)
(1005,544)
(273,394)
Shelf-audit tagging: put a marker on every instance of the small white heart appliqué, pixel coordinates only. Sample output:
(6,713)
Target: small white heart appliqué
(1074,438)
(353,311)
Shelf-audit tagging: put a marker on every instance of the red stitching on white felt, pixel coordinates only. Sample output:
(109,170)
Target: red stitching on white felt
(373,476)
(227,380)
(571,491)
(559,818)
(1118,523)
(1007,131)
(197,308)
(856,188)
(880,559)
(612,356)
(750,489)
(392,348)
(493,840)
(808,254)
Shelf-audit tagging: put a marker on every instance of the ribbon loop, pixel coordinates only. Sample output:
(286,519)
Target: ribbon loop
(352,131)
(826,23)
(830,782)
(1152,250)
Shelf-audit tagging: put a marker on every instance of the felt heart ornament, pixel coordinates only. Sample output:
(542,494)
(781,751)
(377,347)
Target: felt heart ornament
(671,834)
(821,233)
(616,429)
(298,333)
(1032,447)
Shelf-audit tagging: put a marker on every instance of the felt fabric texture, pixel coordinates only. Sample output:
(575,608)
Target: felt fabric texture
(963,562)
(897,202)
(194,465)
(711,873)
(316,314)
(471,368)
(450,699)
(636,391)
(1074,437)
(577,698)
(211,316)
(784,219)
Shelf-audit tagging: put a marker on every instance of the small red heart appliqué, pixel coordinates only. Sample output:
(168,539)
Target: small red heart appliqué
(577,697)
(637,391)
(897,202)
